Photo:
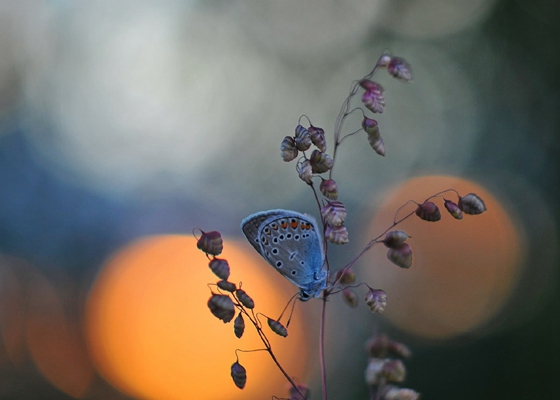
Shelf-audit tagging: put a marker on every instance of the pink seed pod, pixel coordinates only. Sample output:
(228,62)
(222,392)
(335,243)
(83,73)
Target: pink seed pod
(222,307)
(277,328)
(401,256)
(393,371)
(320,162)
(318,138)
(377,144)
(350,297)
(239,326)
(394,239)
(211,243)
(329,189)
(472,204)
(428,211)
(336,234)
(239,375)
(303,388)
(345,276)
(371,86)
(220,268)
(334,213)
(288,149)
(244,298)
(376,299)
(373,98)
(227,286)
(302,138)
(370,127)
(400,69)
(305,171)
(453,209)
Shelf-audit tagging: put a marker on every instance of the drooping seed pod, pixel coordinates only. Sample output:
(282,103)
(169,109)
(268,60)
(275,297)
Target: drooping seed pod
(472,204)
(288,149)
(239,375)
(336,234)
(334,213)
(244,298)
(329,189)
(211,243)
(305,171)
(392,392)
(370,127)
(277,327)
(371,86)
(349,297)
(302,138)
(320,162)
(373,96)
(428,211)
(220,268)
(318,138)
(222,307)
(227,286)
(400,69)
(303,390)
(401,256)
(377,144)
(453,209)
(239,326)
(384,61)
(393,371)
(376,299)
(345,276)
(394,239)
(378,346)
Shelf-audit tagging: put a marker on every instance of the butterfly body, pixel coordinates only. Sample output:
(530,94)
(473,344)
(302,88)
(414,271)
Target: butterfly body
(291,243)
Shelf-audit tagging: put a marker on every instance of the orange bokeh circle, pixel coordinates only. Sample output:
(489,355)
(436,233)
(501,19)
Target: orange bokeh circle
(464,271)
(152,335)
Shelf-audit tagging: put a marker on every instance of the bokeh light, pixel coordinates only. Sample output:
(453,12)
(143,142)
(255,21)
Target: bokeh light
(152,336)
(463,272)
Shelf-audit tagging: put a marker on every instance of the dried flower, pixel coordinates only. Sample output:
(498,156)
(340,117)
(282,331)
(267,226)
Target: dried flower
(288,149)
(345,276)
(227,286)
(329,189)
(334,213)
(318,138)
(372,371)
(302,138)
(239,375)
(305,171)
(220,268)
(428,211)
(320,162)
(373,96)
(376,299)
(211,243)
(394,239)
(349,297)
(453,209)
(336,234)
(277,327)
(400,69)
(401,256)
(472,204)
(384,61)
(222,307)
(244,298)
(239,326)
(393,371)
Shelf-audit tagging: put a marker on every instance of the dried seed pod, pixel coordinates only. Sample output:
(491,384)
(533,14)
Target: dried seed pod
(277,328)
(377,144)
(288,149)
(373,370)
(369,85)
(394,239)
(378,346)
(370,127)
(345,276)
(302,138)
(329,189)
(227,286)
(373,96)
(320,162)
(472,204)
(211,243)
(401,256)
(391,392)
(376,299)
(222,307)
(400,69)
(336,234)
(239,326)
(303,389)
(384,61)
(334,213)
(428,211)
(244,298)
(399,349)
(220,268)
(453,209)
(318,138)
(239,375)
(393,371)
(305,171)
(349,297)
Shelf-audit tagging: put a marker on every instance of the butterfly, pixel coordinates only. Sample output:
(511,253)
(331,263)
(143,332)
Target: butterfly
(291,243)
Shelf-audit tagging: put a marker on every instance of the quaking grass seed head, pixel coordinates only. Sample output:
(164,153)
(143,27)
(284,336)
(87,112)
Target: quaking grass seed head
(211,243)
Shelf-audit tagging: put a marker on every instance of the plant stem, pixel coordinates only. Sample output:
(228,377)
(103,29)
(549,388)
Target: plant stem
(322,346)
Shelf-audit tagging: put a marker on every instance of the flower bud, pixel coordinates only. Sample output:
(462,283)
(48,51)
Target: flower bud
(320,162)
(318,138)
(222,307)
(394,239)
(227,286)
(220,268)
(376,299)
(349,297)
(211,243)
(277,328)
(334,213)
(329,189)
(345,276)
(428,211)
(453,209)
(288,149)
(400,69)
(472,204)
(239,375)
(401,256)
(305,171)
(244,298)
(239,326)
(336,234)
(302,138)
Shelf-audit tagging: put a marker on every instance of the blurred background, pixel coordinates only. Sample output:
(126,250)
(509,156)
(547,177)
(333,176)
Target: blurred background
(125,125)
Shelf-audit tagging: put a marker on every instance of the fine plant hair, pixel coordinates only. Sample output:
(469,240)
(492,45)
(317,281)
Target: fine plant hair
(385,370)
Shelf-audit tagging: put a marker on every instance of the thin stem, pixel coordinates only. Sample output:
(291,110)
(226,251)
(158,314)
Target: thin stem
(322,346)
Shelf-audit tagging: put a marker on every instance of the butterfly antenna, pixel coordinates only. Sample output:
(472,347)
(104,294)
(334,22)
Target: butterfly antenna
(292,299)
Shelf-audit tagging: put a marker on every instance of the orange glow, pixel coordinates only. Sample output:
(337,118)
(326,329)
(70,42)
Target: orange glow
(152,335)
(463,271)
